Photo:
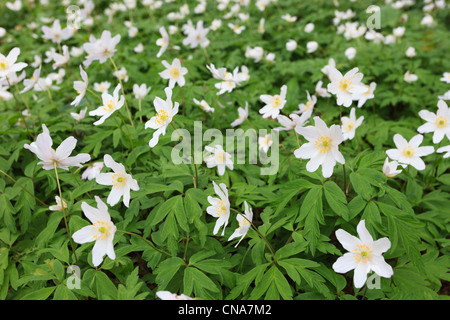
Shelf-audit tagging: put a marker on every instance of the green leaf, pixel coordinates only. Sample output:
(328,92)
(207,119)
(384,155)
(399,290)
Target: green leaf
(336,199)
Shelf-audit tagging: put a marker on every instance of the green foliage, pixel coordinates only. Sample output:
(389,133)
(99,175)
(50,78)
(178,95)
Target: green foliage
(165,239)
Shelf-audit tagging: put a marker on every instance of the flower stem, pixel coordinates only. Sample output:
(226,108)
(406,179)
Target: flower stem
(123,91)
(147,241)
(64,214)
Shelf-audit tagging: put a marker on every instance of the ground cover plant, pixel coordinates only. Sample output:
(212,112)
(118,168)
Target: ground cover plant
(224,150)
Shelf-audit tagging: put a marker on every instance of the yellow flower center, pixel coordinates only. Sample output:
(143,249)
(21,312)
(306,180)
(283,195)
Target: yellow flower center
(408,152)
(368,90)
(308,105)
(349,125)
(243,223)
(161,117)
(174,73)
(345,84)
(109,106)
(362,253)
(220,208)
(323,144)
(4,65)
(118,180)
(441,122)
(101,230)
(276,102)
(220,157)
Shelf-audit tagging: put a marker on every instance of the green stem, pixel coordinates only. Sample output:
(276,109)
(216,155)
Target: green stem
(64,214)
(1,171)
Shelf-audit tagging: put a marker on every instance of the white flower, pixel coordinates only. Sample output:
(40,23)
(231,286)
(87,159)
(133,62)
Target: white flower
(61,59)
(350,53)
(92,171)
(312,46)
(243,115)
(287,17)
(167,295)
(446,77)
(291,45)
(219,158)
(14,6)
(273,103)
(446,96)
(364,255)
(163,42)
(216,24)
(30,83)
(220,207)
(363,97)
(398,32)
(140,91)
(60,157)
(56,33)
(390,168)
(347,86)
(308,107)
(81,87)
(427,20)
(309,27)
(255,53)
(197,36)
(101,231)
(410,52)
(265,142)
(236,29)
(59,205)
(437,123)
(349,125)
(270,57)
(79,116)
(8,64)
(244,224)
(102,86)
(410,77)
(101,49)
(139,48)
(444,149)
(174,72)
(111,103)
(120,181)
(204,105)
(322,147)
(326,69)
(121,74)
(321,92)
(165,111)
(409,153)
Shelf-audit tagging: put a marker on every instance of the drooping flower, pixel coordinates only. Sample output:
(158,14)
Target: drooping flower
(203,105)
(140,91)
(292,122)
(30,83)
(120,180)
(244,224)
(60,157)
(410,77)
(322,147)
(438,122)
(8,64)
(165,111)
(79,116)
(174,72)
(347,86)
(446,77)
(163,42)
(92,171)
(59,205)
(273,103)
(220,207)
(111,103)
(364,255)
(61,59)
(321,92)
(349,125)
(390,168)
(243,115)
(308,107)
(219,158)
(80,87)
(102,231)
(409,153)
